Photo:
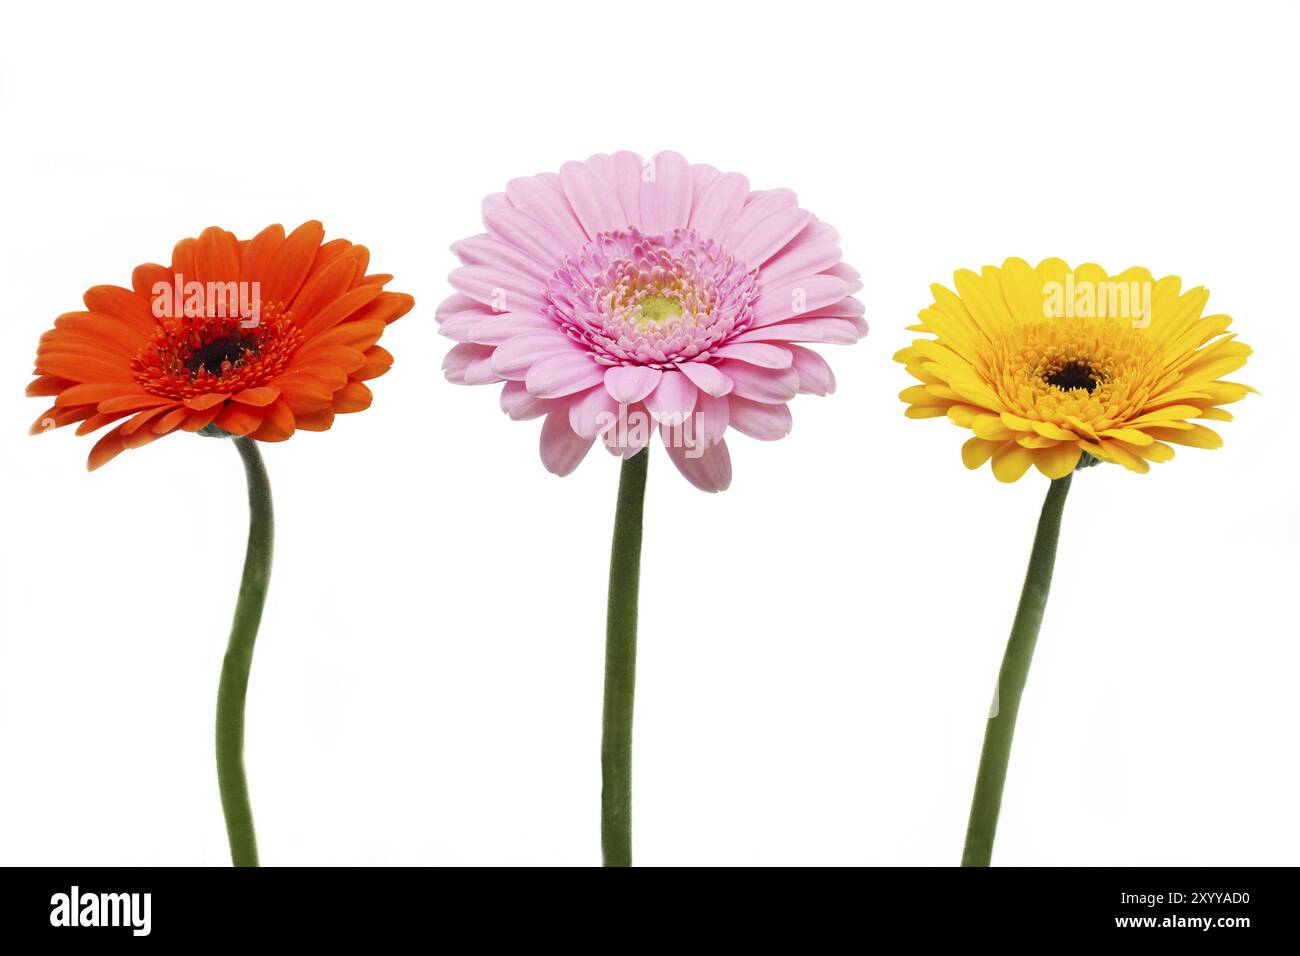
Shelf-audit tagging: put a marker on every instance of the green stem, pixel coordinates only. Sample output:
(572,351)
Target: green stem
(620,665)
(1011,681)
(239,659)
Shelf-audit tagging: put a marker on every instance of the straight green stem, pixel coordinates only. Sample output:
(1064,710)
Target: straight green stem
(1001,725)
(239,659)
(620,664)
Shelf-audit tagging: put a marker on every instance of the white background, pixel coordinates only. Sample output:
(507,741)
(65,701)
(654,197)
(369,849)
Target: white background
(819,643)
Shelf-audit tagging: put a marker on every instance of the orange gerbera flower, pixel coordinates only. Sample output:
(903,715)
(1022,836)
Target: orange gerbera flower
(255,337)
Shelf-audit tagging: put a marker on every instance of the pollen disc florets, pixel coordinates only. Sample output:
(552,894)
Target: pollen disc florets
(635,299)
(194,355)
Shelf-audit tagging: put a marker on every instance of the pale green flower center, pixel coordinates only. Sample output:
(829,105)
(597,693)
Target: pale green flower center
(658,309)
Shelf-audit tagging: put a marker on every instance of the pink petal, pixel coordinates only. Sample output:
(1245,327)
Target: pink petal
(520,406)
(758,420)
(459,359)
(519,229)
(622,172)
(515,356)
(852,278)
(486,250)
(702,177)
(800,258)
(562,449)
(499,289)
(666,199)
(770,236)
(828,331)
(817,231)
(673,399)
(798,297)
(631,434)
(719,203)
(755,353)
(815,375)
(759,206)
(709,470)
(479,372)
(772,386)
(542,198)
(592,412)
(711,418)
(458,314)
(631,383)
(706,377)
(563,374)
(594,203)
(499,327)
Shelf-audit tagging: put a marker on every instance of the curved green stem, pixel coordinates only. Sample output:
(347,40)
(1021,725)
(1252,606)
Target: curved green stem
(620,664)
(1011,681)
(239,659)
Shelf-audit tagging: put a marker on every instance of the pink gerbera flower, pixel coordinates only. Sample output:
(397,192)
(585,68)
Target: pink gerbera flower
(626,296)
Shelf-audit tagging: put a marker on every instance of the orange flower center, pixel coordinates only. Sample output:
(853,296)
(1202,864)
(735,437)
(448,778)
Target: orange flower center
(197,355)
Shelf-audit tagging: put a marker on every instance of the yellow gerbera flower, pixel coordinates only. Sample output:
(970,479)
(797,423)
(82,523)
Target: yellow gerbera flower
(1046,365)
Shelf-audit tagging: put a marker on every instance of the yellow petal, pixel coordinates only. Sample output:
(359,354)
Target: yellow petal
(976,451)
(1011,461)
(925,411)
(1059,460)
(991,427)
(1198,436)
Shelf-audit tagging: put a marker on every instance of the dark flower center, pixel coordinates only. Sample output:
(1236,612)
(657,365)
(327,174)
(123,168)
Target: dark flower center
(214,354)
(1074,374)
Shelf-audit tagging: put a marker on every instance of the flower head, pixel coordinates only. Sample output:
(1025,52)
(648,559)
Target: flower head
(622,297)
(1047,364)
(255,337)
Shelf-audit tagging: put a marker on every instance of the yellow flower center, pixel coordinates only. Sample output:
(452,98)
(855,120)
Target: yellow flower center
(1092,371)
(657,309)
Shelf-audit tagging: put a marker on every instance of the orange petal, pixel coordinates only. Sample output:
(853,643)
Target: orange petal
(257,255)
(47,385)
(315,421)
(124,304)
(278,423)
(99,420)
(263,395)
(183,254)
(352,397)
(201,419)
(239,419)
(305,394)
(378,361)
(338,310)
(349,360)
(203,402)
(352,333)
(146,276)
(323,288)
(103,325)
(99,392)
(389,307)
(82,368)
(133,403)
(143,418)
(216,258)
(291,262)
(57,417)
(171,420)
(106,449)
